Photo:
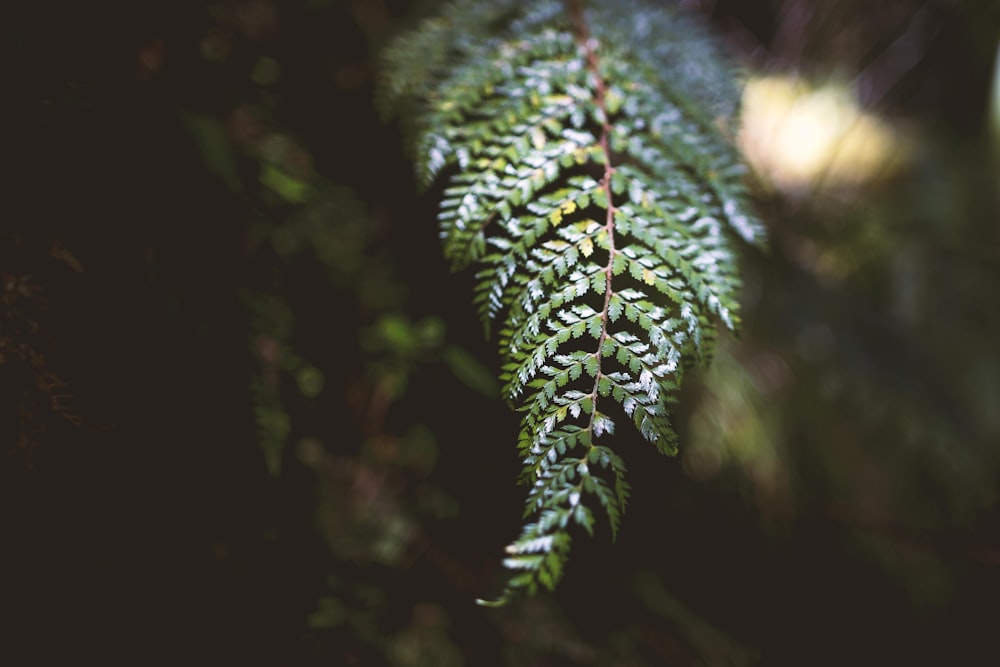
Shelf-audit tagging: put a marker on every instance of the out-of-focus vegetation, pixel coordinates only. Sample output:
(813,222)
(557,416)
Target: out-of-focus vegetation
(248,416)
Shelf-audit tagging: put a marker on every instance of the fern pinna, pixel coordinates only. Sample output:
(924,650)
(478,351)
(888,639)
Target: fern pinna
(589,182)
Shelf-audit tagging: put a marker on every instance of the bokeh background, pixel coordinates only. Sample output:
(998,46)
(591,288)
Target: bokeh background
(248,417)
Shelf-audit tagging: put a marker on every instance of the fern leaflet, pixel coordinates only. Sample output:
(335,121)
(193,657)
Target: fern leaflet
(589,183)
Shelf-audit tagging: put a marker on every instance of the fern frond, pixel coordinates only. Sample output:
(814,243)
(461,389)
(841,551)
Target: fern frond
(589,182)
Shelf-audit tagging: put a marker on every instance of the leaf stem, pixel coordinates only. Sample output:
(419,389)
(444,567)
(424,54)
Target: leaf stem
(588,46)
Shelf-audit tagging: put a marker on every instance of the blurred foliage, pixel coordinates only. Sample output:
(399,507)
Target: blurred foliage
(237,384)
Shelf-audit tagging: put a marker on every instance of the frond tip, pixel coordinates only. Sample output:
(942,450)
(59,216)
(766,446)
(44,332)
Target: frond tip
(590,185)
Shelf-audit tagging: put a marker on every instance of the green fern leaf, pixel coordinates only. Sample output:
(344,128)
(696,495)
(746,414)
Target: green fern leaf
(588,181)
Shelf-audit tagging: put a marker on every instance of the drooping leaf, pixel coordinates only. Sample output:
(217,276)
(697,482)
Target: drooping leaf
(590,185)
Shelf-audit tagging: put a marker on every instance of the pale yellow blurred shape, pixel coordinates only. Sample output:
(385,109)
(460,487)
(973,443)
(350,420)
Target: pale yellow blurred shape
(799,137)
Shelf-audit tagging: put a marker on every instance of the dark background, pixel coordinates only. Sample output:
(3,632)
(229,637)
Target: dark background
(246,411)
